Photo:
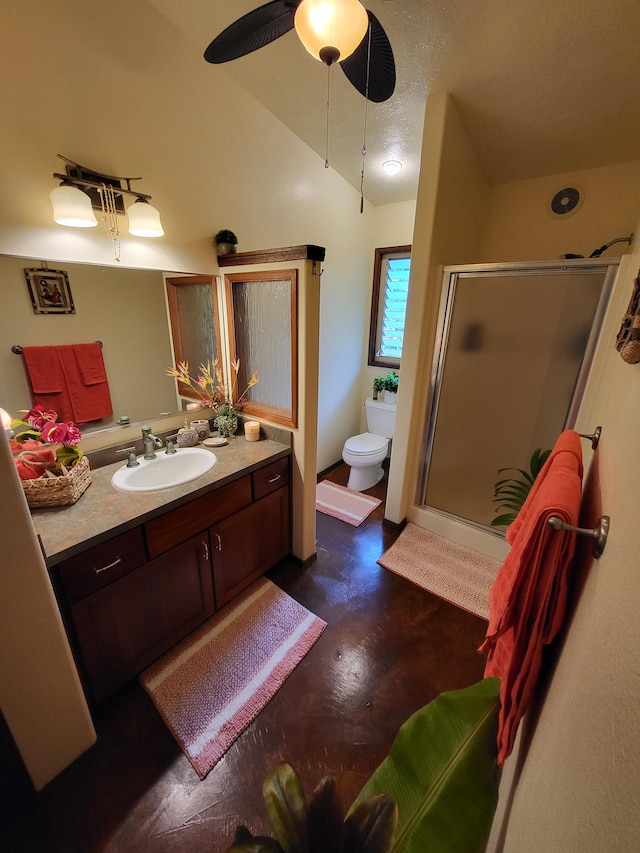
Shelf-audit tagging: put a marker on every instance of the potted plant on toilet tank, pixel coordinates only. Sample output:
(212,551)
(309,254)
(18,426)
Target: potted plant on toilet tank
(386,387)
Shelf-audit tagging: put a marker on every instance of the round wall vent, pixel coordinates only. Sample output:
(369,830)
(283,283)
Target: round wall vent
(565,201)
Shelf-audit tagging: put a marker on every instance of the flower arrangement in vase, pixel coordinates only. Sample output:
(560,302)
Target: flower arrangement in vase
(214,393)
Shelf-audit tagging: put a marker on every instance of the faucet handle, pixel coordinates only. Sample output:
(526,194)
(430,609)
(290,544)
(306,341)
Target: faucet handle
(132,462)
(170,440)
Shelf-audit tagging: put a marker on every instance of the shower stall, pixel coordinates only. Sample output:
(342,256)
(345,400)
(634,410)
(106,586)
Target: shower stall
(512,356)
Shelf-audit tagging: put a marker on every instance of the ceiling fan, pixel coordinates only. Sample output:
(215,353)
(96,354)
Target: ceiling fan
(365,56)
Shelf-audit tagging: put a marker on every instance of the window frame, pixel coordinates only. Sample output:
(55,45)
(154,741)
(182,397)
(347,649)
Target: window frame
(172,285)
(377,302)
(280,416)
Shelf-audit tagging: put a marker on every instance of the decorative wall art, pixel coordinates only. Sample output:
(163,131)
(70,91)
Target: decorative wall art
(49,291)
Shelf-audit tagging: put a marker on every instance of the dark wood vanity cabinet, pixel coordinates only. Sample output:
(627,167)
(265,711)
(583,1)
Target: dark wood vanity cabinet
(130,599)
(245,545)
(126,625)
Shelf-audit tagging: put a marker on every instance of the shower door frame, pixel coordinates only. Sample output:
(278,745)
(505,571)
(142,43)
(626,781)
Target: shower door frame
(450,277)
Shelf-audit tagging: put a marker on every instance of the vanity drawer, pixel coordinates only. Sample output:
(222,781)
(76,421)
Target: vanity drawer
(175,526)
(270,478)
(99,566)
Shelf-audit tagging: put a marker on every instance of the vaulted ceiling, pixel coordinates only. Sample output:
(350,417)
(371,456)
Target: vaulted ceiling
(542,86)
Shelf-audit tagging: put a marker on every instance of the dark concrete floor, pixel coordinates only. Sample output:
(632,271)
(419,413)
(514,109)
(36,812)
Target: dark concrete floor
(388,649)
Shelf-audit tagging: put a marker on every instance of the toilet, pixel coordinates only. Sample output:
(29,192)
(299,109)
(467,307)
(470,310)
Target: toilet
(366,452)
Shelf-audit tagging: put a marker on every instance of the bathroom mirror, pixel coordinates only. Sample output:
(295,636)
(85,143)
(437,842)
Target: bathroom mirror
(514,349)
(123,308)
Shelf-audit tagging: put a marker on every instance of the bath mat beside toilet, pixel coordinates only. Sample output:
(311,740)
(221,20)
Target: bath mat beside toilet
(460,575)
(343,503)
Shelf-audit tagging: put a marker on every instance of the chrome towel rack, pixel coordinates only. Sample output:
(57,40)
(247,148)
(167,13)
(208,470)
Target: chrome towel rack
(16,349)
(599,534)
(594,438)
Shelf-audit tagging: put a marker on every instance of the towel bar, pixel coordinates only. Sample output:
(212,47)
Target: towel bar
(595,438)
(598,534)
(16,349)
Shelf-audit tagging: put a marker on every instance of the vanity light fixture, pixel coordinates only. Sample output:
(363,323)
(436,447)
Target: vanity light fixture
(5,418)
(82,190)
(392,167)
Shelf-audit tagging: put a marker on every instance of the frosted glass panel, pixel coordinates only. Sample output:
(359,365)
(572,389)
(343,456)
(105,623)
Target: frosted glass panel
(262,322)
(514,345)
(196,323)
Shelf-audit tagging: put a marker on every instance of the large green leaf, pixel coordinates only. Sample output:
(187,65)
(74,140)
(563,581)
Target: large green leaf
(287,808)
(442,773)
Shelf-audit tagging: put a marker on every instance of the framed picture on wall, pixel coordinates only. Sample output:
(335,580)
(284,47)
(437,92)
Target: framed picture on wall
(49,291)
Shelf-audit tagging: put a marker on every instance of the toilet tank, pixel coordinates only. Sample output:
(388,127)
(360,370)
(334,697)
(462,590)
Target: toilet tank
(381,417)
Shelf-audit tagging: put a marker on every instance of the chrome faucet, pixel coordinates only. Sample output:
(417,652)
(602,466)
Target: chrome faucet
(150,442)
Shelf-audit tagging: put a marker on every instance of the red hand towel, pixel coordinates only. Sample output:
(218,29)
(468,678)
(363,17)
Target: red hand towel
(48,386)
(89,402)
(528,599)
(90,362)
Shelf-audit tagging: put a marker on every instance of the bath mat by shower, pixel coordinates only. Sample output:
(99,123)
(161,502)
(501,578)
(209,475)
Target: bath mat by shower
(210,687)
(460,575)
(344,504)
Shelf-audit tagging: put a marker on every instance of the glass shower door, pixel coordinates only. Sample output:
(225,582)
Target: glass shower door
(507,378)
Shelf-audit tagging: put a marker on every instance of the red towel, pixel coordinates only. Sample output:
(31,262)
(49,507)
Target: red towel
(88,402)
(90,362)
(528,600)
(48,386)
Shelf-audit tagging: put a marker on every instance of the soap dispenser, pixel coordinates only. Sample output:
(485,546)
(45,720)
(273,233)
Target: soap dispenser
(187,437)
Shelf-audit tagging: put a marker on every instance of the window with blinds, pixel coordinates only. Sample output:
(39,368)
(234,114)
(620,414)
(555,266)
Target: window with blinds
(389,305)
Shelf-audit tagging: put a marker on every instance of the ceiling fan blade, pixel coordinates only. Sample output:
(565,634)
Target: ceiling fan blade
(253,31)
(382,67)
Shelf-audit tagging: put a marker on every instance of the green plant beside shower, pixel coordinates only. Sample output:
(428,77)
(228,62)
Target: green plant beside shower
(510,493)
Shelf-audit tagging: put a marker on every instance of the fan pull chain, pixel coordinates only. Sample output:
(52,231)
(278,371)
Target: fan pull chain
(326,142)
(366,114)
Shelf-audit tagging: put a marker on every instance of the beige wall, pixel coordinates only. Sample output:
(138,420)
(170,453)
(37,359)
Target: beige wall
(40,693)
(579,784)
(452,194)
(519,227)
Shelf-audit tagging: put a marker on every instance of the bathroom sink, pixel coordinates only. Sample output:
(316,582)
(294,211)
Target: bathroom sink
(163,472)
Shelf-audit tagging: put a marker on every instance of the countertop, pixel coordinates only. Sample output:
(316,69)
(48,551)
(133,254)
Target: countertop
(102,511)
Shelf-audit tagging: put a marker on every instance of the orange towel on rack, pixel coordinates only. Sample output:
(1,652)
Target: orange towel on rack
(47,382)
(528,600)
(88,402)
(91,363)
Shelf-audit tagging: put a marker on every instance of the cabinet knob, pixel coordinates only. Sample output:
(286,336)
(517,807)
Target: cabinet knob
(274,479)
(217,535)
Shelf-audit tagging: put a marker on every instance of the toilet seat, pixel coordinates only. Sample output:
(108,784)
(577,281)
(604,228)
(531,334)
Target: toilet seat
(366,444)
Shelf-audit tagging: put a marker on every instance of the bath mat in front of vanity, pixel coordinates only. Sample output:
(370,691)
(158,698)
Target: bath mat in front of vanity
(344,504)
(215,683)
(460,575)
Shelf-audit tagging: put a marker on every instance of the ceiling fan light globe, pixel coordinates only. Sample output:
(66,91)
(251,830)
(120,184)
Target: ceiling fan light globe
(336,24)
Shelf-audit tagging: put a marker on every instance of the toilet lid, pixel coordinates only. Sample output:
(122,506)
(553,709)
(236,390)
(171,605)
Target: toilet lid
(366,443)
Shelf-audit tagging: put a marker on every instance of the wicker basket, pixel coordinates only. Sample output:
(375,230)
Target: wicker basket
(64,490)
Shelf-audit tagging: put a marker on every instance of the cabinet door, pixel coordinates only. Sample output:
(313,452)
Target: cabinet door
(124,627)
(247,544)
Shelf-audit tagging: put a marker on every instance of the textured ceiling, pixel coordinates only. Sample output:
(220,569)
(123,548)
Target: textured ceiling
(542,86)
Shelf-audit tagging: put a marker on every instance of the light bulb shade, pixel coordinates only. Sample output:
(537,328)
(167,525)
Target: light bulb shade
(144,220)
(72,207)
(331,24)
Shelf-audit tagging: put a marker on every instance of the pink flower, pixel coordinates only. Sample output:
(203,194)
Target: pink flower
(66,433)
(38,417)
